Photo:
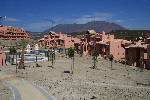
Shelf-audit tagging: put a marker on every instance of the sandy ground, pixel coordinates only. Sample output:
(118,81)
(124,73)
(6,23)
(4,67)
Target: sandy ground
(102,83)
(5,93)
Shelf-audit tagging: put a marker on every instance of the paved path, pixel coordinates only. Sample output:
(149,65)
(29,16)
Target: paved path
(24,90)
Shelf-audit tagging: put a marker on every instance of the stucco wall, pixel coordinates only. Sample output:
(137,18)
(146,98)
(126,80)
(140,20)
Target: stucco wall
(117,50)
(2,58)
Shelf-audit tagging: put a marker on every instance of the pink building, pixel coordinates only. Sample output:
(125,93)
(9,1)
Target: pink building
(13,33)
(136,53)
(105,44)
(92,41)
(2,57)
(58,40)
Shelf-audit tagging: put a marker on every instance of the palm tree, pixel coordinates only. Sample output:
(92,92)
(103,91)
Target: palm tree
(23,44)
(71,52)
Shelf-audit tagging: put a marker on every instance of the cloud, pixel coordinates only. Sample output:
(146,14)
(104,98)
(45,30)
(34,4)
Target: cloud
(47,23)
(8,19)
(94,16)
(81,19)
(38,26)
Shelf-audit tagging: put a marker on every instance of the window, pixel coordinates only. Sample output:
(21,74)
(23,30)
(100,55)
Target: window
(145,50)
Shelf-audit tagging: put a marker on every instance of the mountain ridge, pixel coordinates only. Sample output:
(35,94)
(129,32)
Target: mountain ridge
(98,26)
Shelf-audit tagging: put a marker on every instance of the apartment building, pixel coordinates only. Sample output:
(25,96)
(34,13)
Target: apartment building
(136,53)
(13,33)
(57,40)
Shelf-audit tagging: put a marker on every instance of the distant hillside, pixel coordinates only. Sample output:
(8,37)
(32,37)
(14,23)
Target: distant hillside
(98,26)
(131,34)
(36,35)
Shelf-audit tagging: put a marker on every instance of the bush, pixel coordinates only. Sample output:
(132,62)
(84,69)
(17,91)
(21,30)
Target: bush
(111,57)
(71,52)
(12,50)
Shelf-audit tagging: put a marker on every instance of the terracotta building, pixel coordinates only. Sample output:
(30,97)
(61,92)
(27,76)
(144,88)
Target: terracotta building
(92,42)
(2,57)
(13,33)
(105,44)
(58,40)
(136,53)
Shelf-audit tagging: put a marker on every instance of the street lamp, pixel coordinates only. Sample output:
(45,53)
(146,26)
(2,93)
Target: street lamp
(16,58)
(94,54)
(94,44)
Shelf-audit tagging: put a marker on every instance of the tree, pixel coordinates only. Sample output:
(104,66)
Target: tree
(94,59)
(111,59)
(94,54)
(23,44)
(71,52)
(12,51)
(141,63)
(52,56)
(48,55)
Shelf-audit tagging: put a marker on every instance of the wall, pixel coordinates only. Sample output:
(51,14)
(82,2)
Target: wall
(2,57)
(116,49)
(148,57)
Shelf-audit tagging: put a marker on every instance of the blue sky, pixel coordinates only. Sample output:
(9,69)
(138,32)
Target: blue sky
(37,15)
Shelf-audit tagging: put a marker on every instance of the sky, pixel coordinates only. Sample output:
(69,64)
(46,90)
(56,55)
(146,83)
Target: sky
(39,15)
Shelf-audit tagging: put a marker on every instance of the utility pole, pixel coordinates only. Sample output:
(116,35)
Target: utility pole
(94,51)
(16,58)
(94,54)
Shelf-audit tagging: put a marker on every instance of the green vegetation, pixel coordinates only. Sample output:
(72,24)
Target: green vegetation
(131,34)
(23,44)
(71,52)
(12,51)
(111,57)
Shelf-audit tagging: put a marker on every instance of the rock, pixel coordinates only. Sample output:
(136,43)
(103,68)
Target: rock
(66,71)
(93,97)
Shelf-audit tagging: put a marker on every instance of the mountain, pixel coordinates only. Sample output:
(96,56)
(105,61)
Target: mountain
(98,26)
(35,35)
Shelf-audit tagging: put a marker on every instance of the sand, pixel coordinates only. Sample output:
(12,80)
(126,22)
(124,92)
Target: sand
(103,83)
(5,92)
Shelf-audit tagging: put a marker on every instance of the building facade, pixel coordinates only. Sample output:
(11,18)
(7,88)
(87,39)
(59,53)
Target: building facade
(13,33)
(135,53)
(2,57)
(57,40)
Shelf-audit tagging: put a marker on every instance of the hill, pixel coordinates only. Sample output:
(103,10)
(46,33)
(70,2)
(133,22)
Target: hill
(98,26)
(131,34)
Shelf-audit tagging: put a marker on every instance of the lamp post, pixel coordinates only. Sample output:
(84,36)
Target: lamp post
(16,58)
(94,44)
(94,54)
(16,63)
